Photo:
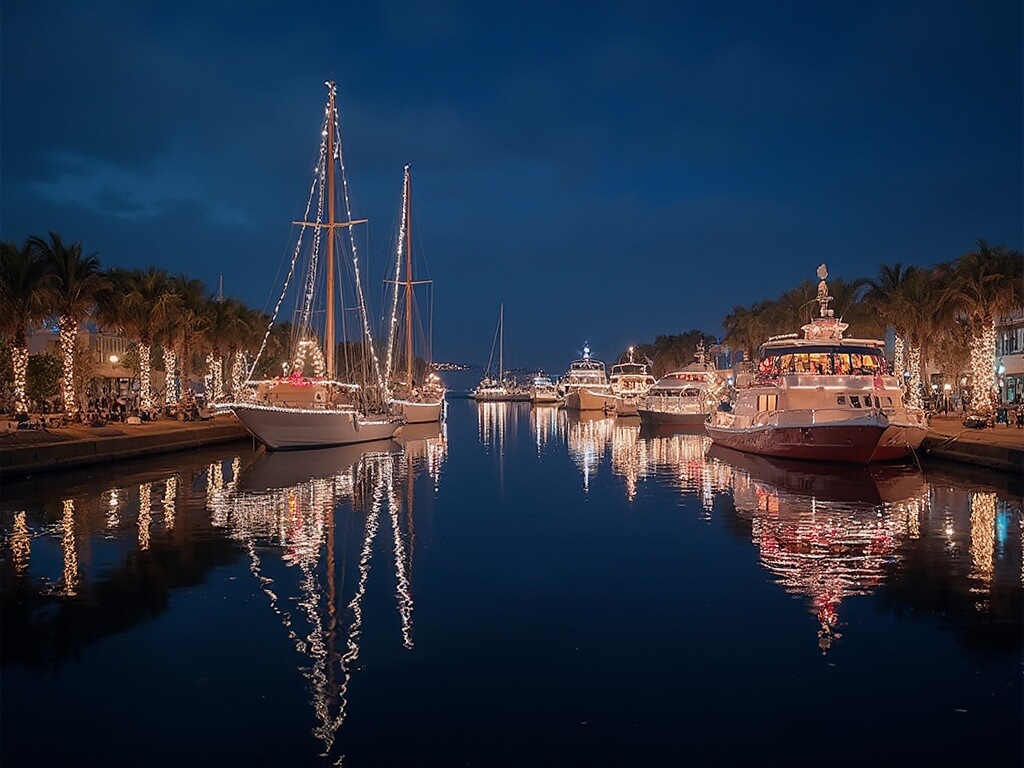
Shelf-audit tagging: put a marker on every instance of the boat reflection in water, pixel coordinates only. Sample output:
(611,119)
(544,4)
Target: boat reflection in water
(547,425)
(826,533)
(675,456)
(310,522)
(498,419)
(588,436)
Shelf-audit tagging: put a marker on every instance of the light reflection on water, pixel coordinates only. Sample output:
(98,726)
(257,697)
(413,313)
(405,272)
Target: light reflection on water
(319,531)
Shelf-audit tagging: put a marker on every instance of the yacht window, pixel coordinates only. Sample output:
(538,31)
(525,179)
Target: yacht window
(855,401)
(877,403)
(841,400)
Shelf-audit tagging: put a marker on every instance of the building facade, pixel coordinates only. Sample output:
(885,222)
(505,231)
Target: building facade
(1010,357)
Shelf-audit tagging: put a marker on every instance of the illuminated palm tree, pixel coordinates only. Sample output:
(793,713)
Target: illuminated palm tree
(189,326)
(230,326)
(75,282)
(887,295)
(23,295)
(140,303)
(982,285)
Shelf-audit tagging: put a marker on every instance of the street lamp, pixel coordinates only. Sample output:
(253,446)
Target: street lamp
(113,359)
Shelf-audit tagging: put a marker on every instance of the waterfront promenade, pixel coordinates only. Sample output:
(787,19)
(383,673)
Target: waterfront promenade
(28,451)
(1000,447)
(24,452)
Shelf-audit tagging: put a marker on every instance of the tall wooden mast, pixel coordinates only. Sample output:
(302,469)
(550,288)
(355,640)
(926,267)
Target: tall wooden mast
(332,121)
(408,275)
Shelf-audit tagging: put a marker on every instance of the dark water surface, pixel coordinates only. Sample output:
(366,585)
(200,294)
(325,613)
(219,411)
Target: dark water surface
(516,589)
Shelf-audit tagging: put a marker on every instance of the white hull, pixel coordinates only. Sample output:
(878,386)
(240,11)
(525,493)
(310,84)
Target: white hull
(625,405)
(589,400)
(281,428)
(417,412)
(545,399)
(671,416)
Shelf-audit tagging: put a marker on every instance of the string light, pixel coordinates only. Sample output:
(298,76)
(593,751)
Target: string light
(393,325)
(145,513)
(68,337)
(170,492)
(171,373)
(914,382)
(898,362)
(67,541)
(19,357)
(21,543)
(145,389)
(237,372)
(215,365)
(983,528)
(983,368)
(309,348)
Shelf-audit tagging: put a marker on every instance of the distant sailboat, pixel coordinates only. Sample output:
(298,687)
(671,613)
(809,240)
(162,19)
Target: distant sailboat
(500,388)
(420,399)
(297,410)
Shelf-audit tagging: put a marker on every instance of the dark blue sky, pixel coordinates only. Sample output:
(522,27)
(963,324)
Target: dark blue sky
(609,171)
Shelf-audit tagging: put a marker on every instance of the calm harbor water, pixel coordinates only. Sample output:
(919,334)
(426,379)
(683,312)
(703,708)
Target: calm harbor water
(519,587)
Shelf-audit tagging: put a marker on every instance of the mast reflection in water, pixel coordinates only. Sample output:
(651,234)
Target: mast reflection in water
(291,502)
(515,587)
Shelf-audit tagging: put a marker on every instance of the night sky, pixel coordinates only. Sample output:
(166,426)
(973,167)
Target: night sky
(609,171)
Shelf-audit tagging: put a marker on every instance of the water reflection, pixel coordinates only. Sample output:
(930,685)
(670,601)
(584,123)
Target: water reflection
(825,532)
(494,421)
(295,516)
(588,436)
(300,507)
(318,551)
(546,426)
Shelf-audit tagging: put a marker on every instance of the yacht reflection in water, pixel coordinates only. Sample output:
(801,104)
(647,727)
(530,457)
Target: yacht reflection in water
(293,511)
(588,437)
(826,533)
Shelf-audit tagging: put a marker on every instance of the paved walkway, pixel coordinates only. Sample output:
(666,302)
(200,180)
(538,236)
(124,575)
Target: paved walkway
(999,447)
(27,451)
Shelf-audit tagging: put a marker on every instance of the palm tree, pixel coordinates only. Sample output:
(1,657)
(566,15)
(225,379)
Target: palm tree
(887,295)
(188,332)
(23,295)
(140,303)
(905,300)
(75,283)
(983,284)
(230,326)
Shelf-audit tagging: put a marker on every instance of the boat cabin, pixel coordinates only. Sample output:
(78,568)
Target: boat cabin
(843,359)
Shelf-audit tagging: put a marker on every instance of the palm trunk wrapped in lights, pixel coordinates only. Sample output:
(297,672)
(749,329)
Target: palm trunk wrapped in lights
(171,372)
(983,368)
(215,365)
(914,383)
(237,373)
(19,360)
(68,339)
(899,364)
(145,387)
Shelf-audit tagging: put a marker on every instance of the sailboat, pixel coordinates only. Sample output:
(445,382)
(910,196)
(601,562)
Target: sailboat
(318,409)
(500,388)
(419,400)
